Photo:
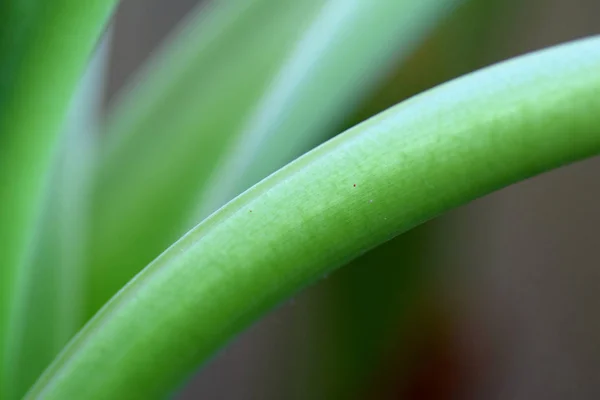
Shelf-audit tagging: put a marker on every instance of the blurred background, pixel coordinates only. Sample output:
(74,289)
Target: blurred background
(495,300)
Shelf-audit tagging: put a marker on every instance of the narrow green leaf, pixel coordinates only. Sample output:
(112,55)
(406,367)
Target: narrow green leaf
(44,50)
(53,300)
(431,153)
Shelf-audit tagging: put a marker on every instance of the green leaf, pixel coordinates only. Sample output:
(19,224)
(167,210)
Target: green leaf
(230,100)
(362,316)
(429,154)
(44,47)
(54,297)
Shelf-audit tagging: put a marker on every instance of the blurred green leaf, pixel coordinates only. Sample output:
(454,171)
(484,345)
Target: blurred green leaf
(52,311)
(44,47)
(167,130)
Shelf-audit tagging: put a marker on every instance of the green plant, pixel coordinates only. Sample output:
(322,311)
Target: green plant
(388,174)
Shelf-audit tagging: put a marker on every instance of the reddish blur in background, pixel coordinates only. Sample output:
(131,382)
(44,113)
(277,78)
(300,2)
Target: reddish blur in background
(497,299)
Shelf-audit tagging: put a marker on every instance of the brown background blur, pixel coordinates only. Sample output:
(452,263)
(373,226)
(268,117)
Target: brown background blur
(518,274)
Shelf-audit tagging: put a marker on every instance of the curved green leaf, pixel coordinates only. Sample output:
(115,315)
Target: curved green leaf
(431,153)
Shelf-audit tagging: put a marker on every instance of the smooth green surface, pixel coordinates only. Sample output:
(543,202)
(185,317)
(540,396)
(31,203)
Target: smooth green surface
(205,126)
(54,297)
(54,41)
(431,153)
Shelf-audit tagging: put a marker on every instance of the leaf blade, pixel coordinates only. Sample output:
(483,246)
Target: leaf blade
(433,152)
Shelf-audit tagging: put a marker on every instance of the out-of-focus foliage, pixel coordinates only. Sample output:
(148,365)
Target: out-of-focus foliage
(44,47)
(53,307)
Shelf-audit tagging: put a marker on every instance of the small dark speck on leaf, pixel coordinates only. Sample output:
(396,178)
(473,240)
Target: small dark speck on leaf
(354,185)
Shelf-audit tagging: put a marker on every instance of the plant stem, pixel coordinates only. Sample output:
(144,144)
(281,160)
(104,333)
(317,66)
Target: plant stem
(425,156)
